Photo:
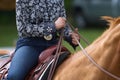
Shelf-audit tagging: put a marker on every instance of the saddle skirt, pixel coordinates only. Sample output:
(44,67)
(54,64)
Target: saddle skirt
(46,58)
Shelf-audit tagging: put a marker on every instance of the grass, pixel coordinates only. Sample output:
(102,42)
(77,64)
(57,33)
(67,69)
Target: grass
(8,35)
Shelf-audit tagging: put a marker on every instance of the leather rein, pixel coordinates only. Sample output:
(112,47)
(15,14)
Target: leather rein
(57,54)
(88,56)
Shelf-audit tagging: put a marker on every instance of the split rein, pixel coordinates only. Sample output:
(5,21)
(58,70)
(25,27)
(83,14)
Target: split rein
(88,56)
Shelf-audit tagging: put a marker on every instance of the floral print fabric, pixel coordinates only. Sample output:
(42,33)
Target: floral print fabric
(35,18)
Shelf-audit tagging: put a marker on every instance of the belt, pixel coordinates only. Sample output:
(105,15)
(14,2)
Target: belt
(48,37)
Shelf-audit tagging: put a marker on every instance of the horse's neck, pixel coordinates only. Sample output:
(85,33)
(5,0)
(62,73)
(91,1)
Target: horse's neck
(106,53)
(112,23)
(108,50)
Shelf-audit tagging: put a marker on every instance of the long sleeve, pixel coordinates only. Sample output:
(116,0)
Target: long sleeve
(67,30)
(36,18)
(31,21)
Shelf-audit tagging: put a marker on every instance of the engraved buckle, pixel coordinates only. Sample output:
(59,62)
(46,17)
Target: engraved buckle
(48,37)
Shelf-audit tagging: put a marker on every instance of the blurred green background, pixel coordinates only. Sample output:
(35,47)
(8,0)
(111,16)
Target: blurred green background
(8,32)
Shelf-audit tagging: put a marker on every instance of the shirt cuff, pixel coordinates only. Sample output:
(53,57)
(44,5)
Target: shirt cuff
(49,28)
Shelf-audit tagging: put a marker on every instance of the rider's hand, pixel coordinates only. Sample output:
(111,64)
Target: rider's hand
(60,23)
(74,36)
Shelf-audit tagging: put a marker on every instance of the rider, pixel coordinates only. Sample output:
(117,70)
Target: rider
(38,22)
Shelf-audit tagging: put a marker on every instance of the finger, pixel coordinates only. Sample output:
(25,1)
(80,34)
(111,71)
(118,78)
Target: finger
(64,18)
(76,30)
(74,42)
(75,35)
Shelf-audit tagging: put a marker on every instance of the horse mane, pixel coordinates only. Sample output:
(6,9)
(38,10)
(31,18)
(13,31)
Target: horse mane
(112,22)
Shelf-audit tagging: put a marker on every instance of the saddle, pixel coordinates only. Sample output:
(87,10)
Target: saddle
(48,61)
(41,71)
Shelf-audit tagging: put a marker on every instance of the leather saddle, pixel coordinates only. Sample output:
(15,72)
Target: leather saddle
(44,62)
(46,58)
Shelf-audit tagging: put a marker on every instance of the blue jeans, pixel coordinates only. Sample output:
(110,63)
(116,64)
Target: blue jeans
(26,57)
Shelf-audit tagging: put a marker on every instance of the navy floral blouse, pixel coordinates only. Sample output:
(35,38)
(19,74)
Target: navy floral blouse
(35,18)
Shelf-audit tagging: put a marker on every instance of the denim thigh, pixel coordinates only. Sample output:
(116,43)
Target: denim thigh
(25,58)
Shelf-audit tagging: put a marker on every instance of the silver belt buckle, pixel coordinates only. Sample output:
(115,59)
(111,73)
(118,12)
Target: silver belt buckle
(48,37)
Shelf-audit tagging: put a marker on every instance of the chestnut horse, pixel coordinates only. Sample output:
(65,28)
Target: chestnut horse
(105,51)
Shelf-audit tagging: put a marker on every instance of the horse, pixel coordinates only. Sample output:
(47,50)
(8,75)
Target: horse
(105,52)
(3,52)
